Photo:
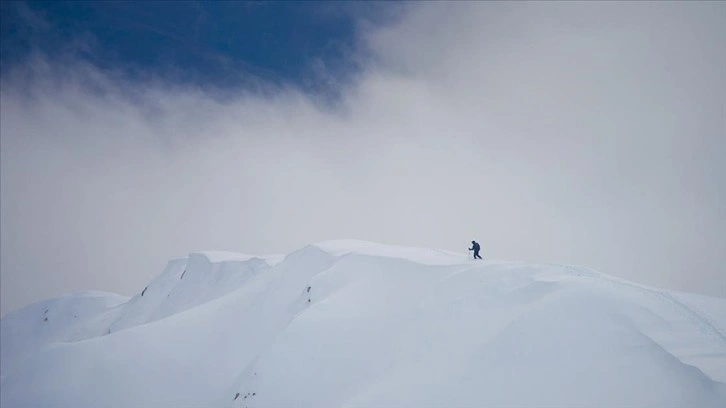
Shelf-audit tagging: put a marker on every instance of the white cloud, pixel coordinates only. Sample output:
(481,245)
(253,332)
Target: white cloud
(590,133)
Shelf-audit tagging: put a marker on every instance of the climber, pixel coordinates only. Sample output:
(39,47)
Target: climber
(475,247)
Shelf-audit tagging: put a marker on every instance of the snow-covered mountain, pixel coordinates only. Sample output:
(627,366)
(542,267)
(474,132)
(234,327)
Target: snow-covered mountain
(358,324)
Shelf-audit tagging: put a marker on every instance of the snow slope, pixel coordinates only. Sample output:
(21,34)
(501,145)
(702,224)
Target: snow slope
(359,324)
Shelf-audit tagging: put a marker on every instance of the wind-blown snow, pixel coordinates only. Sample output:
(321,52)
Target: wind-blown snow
(352,324)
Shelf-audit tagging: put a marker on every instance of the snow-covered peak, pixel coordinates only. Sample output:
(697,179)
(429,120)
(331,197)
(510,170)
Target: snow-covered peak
(227,256)
(424,256)
(353,323)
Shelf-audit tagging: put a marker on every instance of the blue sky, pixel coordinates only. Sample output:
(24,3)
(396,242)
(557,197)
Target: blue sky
(312,45)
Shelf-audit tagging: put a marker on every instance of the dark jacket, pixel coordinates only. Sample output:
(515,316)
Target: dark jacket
(475,247)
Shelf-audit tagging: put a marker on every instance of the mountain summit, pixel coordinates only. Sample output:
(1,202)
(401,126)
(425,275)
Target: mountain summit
(359,324)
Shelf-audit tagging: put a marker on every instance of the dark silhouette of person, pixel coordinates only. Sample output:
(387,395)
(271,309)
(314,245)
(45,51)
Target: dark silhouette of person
(475,247)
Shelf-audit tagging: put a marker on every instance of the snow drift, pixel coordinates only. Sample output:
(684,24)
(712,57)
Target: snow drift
(358,324)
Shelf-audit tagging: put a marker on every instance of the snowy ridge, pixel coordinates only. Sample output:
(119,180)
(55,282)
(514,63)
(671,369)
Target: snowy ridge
(353,323)
(419,255)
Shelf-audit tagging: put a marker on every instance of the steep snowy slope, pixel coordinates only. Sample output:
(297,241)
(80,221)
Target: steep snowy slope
(350,323)
(65,319)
